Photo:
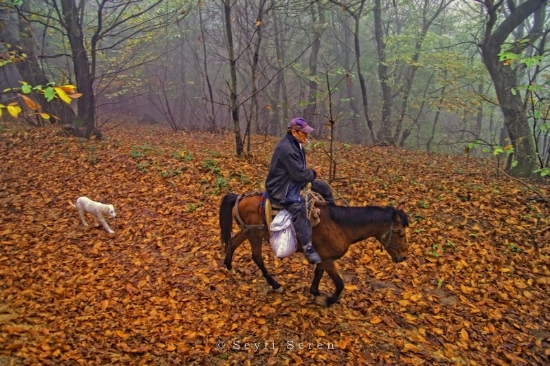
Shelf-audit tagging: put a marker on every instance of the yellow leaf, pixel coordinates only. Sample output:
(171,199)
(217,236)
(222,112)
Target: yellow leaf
(45,115)
(411,347)
(62,95)
(404,303)
(466,289)
(30,103)
(68,88)
(376,320)
(464,334)
(14,109)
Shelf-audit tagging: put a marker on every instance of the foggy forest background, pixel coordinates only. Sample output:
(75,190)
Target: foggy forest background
(444,76)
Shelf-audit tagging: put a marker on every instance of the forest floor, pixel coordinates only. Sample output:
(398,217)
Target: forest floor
(474,291)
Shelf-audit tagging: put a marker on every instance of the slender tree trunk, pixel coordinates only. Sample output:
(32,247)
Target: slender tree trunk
(349,90)
(362,83)
(479,113)
(407,131)
(436,118)
(254,71)
(210,101)
(386,137)
(83,75)
(233,85)
(280,103)
(318,20)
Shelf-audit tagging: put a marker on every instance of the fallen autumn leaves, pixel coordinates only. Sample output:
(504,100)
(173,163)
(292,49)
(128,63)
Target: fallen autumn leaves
(475,290)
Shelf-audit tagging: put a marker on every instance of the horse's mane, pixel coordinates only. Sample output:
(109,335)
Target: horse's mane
(355,216)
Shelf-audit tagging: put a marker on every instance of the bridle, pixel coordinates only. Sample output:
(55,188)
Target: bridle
(389,234)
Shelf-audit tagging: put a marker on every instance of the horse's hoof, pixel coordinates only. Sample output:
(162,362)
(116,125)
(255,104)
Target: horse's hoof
(278,290)
(321,300)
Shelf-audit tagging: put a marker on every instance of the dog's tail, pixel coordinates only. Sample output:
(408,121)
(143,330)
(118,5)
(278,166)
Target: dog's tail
(72,204)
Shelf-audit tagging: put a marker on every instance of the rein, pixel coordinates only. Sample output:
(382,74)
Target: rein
(389,243)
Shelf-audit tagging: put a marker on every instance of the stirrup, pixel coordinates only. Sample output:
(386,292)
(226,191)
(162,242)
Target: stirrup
(311,255)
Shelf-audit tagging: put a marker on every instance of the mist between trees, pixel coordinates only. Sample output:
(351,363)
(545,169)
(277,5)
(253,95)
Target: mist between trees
(439,75)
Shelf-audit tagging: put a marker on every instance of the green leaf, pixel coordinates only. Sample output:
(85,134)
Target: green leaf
(26,89)
(543,171)
(49,94)
(531,61)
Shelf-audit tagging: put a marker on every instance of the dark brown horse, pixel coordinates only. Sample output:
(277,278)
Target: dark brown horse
(339,227)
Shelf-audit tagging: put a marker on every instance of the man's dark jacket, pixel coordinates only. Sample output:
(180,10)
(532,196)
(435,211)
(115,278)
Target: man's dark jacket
(288,173)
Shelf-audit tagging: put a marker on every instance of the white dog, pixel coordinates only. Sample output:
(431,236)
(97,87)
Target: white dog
(98,209)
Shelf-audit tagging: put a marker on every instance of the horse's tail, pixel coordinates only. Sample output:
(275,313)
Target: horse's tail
(226,216)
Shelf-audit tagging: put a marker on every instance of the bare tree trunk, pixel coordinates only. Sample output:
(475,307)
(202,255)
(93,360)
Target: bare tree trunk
(254,97)
(436,118)
(281,83)
(210,101)
(385,136)
(318,20)
(233,85)
(505,76)
(84,79)
(364,97)
(349,92)
(407,131)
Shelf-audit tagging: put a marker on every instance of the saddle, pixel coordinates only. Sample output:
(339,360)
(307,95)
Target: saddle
(271,209)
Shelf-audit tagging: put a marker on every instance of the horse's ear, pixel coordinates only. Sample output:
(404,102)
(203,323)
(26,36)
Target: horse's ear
(396,218)
(401,206)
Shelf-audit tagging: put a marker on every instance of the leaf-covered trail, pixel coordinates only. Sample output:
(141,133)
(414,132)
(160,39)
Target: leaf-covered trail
(475,290)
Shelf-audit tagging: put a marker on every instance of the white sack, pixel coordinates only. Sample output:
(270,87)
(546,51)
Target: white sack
(283,238)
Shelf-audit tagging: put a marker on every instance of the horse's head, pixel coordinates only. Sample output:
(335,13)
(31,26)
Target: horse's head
(394,239)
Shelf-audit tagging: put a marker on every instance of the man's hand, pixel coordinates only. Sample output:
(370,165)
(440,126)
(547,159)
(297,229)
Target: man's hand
(317,171)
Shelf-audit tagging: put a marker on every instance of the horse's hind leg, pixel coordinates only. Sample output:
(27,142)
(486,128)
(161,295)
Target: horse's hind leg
(233,244)
(314,289)
(256,243)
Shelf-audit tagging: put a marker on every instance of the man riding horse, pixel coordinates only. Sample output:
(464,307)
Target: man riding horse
(288,175)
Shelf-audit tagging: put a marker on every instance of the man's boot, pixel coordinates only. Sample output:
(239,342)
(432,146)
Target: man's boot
(310,254)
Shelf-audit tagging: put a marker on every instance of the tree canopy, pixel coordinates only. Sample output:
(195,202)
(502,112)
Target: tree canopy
(435,75)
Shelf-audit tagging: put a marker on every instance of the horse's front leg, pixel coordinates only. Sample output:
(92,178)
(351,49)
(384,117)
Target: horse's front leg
(330,268)
(256,243)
